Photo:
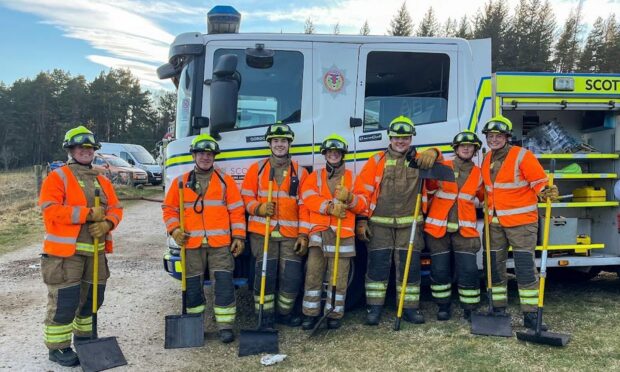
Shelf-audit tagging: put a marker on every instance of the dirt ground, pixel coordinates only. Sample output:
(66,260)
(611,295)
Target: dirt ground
(140,294)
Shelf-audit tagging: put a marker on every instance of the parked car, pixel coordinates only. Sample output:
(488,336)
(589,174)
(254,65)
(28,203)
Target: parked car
(119,171)
(135,155)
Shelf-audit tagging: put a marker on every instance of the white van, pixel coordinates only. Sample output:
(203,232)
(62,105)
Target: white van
(135,155)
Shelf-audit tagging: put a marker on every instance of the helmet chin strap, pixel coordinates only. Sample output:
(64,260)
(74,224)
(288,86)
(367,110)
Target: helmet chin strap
(331,168)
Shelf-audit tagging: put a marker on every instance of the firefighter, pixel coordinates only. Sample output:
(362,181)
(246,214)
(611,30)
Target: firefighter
(214,232)
(513,179)
(389,184)
(328,201)
(71,222)
(289,225)
(450,225)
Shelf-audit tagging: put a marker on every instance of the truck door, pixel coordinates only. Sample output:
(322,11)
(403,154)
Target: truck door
(280,93)
(417,80)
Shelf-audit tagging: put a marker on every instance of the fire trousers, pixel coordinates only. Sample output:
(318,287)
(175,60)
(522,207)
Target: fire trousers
(465,250)
(221,266)
(70,296)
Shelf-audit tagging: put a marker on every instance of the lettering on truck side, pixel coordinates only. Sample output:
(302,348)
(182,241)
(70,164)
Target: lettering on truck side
(602,84)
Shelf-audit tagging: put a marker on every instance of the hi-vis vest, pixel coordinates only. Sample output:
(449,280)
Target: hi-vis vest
(316,197)
(291,215)
(222,213)
(64,208)
(444,196)
(513,195)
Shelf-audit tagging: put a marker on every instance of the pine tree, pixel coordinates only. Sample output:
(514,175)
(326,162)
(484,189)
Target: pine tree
(337,28)
(610,52)
(464,29)
(590,58)
(401,24)
(567,48)
(450,28)
(365,30)
(309,26)
(429,26)
(492,22)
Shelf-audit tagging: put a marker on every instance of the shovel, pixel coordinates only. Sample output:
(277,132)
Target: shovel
(539,336)
(185,330)
(490,324)
(98,354)
(438,172)
(334,274)
(262,339)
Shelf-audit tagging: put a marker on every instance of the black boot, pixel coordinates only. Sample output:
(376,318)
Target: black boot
(500,311)
(467,314)
(530,320)
(333,323)
(309,322)
(65,357)
(414,316)
(227,335)
(290,320)
(373,317)
(444,312)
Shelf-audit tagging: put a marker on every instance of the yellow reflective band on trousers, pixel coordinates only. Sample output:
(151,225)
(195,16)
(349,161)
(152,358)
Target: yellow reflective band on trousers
(376,289)
(268,302)
(395,220)
(83,324)
(469,296)
(499,294)
(196,309)
(224,314)
(528,296)
(412,292)
(55,334)
(453,227)
(285,303)
(441,290)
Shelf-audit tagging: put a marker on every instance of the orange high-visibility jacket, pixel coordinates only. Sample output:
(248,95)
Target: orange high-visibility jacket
(221,216)
(368,182)
(445,194)
(513,195)
(64,208)
(291,214)
(316,196)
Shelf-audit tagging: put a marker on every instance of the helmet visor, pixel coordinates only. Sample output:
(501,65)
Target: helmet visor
(205,146)
(463,138)
(497,126)
(333,144)
(401,129)
(85,140)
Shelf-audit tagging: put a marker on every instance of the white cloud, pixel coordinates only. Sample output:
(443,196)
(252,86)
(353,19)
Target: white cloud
(143,71)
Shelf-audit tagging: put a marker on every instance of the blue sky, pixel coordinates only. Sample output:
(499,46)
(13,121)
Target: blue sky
(87,37)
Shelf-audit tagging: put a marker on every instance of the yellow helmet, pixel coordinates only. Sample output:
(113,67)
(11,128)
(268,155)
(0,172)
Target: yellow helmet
(204,143)
(466,138)
(279,130)
(498,124)
(334,142)
(401,126)
(80,136)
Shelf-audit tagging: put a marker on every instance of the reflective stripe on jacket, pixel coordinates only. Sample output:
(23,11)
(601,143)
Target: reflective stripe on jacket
(316,196)
(291,214)
(513,195)
(64,208)
(445,194)
(223,214)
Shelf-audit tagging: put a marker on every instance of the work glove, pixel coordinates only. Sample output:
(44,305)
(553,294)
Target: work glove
(99,229)
(237,246)
(427,159)
(549,192)
(96,214)
(179,236)
(341,193)
(301,245)
(266,209)
(362,231)
(337,210)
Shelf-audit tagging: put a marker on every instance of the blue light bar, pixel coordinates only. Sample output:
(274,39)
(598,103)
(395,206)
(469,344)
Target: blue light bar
(223,19)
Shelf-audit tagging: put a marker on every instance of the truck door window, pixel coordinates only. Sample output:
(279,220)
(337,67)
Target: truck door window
(124,155)
(184,101)
(268,95)
(405,83)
